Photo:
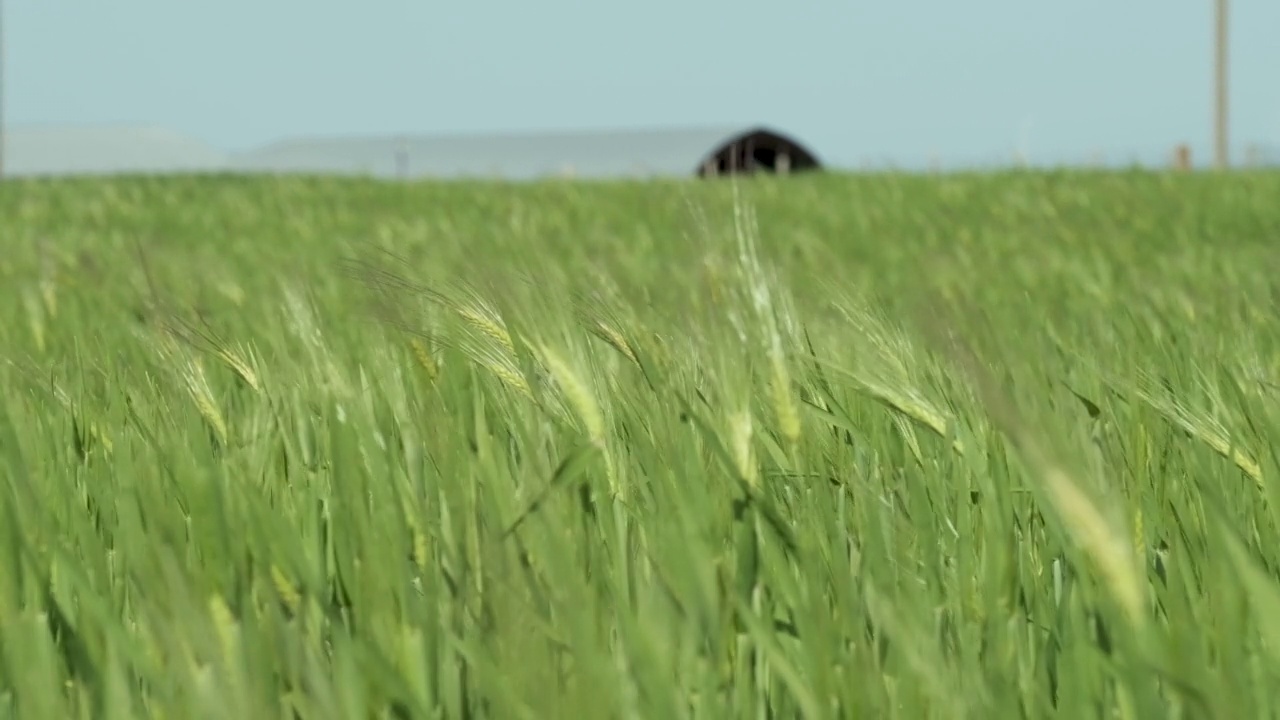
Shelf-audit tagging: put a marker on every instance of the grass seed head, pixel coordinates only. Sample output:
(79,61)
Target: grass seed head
(741,431)
(784,405)
(242,363)
(577,392)
(485,320)
(616,340)
(198,386)
(1107,547)
(227,628)
(422,355)
(504,368)
(287,591)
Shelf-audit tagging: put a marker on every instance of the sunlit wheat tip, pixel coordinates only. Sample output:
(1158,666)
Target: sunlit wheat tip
(242,365)
(487,322)
(784,405)
(101,437)
(198,387)
(617,341)
(289,594)
(579,395)
(1109,550)
(225,625)
(505,370)
(422,355)
(1205,429)
(420,549)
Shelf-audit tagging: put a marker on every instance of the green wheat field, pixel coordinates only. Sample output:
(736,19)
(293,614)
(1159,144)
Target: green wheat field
(970,446)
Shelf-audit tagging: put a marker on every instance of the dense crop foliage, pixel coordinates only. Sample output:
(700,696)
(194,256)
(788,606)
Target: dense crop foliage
(972,446)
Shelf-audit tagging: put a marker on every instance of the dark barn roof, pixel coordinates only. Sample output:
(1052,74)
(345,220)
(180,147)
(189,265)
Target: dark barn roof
(758,150)
(636,153)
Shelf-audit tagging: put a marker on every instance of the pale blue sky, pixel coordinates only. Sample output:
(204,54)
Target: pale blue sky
(895,80)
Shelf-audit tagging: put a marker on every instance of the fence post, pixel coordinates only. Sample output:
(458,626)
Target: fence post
(1182,158)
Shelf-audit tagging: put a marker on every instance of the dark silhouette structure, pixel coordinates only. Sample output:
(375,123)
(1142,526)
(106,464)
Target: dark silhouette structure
(758,151)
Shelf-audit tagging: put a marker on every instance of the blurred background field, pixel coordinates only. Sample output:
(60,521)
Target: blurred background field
(905,446)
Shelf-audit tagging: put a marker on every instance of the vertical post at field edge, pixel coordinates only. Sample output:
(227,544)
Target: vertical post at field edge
(1220,54)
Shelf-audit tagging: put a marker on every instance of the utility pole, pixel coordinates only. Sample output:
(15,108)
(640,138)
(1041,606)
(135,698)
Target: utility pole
(1220,139)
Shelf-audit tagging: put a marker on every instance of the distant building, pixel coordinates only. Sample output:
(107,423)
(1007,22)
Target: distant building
(641,153)
(68,151)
